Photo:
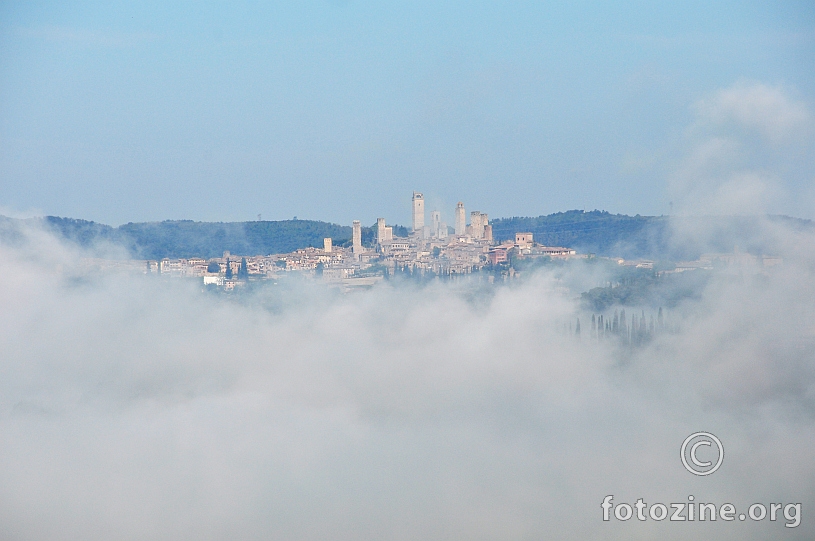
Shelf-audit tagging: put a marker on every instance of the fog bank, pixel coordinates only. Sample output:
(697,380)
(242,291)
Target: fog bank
(135,408)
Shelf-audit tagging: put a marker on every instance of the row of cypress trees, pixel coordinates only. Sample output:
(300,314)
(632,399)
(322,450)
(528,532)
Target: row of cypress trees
(638,331)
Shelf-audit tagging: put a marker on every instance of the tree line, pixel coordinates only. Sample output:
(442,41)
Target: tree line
(637,331)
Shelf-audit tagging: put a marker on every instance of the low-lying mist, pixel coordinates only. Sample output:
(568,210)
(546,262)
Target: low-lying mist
(138,408)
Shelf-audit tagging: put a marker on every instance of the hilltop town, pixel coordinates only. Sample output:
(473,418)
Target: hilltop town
(430,248)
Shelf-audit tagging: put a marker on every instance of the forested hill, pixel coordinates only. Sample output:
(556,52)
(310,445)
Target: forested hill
(185,238)
(598,232)
(653,237)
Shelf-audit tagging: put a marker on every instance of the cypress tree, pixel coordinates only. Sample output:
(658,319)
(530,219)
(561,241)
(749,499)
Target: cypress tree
(228,270)
(643,327)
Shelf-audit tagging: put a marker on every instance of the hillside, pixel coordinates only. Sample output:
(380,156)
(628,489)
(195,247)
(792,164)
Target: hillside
(598,232)
(652,237)
(186,238)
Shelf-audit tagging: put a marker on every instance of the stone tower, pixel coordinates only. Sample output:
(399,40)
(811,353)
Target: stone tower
(461,219)
(435,222)
(380,230)
(418,213)
(357,237)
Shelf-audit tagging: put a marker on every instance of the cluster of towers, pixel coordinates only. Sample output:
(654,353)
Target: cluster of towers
(479,227)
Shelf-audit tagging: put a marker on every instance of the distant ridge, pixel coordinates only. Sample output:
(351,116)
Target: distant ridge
(186,238)
(650,237)
(598,232)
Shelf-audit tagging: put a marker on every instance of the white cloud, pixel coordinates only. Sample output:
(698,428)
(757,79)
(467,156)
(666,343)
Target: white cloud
(747,151)
(133,408)
(769,110)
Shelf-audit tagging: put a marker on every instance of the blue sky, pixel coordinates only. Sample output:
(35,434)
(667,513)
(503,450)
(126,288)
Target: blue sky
(337,110)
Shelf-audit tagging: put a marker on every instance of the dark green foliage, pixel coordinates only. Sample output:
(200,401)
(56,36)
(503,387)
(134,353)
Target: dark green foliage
(642,287)
(243,270)
(596,232)
(368,235)
(204,239)
(593,232)
(400,231)
(213,267)
(228,270)
(616,331)
(650,237)
(185,238)
(526,263)
(82,232)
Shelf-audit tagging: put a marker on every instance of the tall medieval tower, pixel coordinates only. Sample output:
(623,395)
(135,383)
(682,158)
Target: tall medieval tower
(418,213)
(461,219)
